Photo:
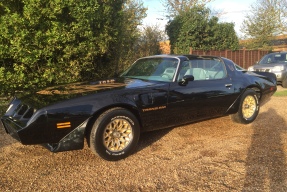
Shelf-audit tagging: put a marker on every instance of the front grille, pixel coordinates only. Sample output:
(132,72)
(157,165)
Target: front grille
(23,112)
(22,109)
(29,113)
(263,70)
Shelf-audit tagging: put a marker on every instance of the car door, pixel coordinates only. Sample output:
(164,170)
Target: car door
(209,95)
(153,107)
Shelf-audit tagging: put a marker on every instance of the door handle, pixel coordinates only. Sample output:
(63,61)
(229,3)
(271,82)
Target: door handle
(228,85)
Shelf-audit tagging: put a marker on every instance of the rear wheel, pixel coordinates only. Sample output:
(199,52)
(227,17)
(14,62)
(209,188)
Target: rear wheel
(284,83)
(115,134)
(248,108)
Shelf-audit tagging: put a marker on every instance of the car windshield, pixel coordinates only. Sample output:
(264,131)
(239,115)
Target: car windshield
(155,68)
(274,58)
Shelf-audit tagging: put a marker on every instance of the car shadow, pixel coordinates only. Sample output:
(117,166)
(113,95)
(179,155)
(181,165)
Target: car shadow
(148,138)
(266,159)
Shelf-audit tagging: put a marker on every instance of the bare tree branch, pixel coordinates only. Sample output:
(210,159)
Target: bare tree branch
(266,20)
(175,7)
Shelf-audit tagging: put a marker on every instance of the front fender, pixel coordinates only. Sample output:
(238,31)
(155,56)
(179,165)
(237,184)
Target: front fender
(73,141)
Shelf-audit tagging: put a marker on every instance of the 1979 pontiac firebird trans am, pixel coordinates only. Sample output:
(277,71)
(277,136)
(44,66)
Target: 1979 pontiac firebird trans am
(156,92)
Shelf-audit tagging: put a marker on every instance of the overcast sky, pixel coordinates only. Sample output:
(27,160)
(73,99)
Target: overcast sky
(234,11)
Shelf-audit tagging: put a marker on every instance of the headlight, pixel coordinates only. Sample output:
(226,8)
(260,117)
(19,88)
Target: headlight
(278,68)
(251,68)
(10,106)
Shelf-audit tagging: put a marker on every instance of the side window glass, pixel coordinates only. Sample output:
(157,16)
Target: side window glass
(185,66)
(196,68)
(203,69)
(216,70)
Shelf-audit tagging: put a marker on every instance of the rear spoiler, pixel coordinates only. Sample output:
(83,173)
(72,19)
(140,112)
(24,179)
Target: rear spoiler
(270,76)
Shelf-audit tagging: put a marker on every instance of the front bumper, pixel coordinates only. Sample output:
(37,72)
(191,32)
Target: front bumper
(72,141)
(30,127)
(11,128)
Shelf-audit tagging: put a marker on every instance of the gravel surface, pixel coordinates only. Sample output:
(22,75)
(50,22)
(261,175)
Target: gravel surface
(213,155)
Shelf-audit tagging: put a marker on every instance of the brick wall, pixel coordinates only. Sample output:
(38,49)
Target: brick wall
(243,57)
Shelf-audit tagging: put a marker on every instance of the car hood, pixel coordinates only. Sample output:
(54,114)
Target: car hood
(50,95)
(268,65)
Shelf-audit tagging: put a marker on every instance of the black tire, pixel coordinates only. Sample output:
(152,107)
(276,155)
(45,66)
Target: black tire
(248,108)
(284,83)
(115,134)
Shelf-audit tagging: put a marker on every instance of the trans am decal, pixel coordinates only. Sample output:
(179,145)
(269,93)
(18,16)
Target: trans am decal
(154,108)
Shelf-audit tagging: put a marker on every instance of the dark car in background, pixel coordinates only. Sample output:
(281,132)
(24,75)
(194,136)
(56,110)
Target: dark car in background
(156,92)
(273,63)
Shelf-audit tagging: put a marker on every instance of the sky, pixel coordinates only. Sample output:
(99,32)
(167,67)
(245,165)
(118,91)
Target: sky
(234,11)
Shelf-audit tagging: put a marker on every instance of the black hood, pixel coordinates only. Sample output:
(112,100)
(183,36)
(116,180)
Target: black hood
(51,95)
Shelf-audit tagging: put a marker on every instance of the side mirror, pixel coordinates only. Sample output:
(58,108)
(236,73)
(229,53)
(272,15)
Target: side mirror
(186,79)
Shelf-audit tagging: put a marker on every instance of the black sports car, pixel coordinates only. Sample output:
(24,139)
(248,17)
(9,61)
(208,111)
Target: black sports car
(156,92)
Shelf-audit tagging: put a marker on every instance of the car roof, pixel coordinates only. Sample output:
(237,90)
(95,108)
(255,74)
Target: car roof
(284,52)
(190,57)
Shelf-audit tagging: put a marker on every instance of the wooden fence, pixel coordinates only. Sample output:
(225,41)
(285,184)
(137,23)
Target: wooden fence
(243,57)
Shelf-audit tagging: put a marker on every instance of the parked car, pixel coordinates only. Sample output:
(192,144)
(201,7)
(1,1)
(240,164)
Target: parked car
(156,92)
(274,63)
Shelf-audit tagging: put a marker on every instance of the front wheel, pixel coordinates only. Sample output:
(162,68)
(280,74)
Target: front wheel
(248,108)
(115,134)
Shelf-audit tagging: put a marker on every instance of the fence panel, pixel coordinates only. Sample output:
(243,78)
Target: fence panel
(244,58)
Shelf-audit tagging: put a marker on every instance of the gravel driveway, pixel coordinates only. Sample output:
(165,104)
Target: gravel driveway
(214,155)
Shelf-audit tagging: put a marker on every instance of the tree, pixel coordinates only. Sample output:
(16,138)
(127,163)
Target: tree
(198,30)
(148,43)
(134,41)
(266,20)
(123,51)
(283,6)
(177,7)
(44,42)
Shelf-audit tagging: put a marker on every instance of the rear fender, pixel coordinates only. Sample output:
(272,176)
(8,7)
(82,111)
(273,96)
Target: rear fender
(235,105)
(270,76)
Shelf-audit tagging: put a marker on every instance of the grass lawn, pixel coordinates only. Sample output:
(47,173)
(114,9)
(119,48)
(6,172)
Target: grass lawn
(280,93)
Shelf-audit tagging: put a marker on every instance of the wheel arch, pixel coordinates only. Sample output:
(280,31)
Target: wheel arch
(247,109)
(96,115)
(235,106)
(257,89)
